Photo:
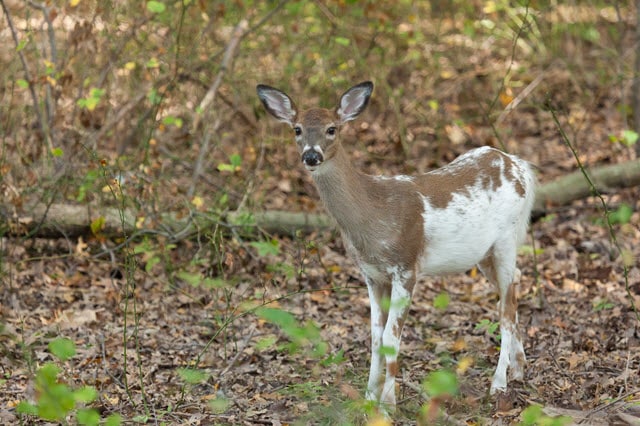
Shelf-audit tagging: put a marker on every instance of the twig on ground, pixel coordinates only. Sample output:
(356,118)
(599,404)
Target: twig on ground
(241,347)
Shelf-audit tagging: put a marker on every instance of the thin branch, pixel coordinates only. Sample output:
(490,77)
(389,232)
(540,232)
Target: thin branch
(210,96)
(605,207)
(34,96)
(53,53)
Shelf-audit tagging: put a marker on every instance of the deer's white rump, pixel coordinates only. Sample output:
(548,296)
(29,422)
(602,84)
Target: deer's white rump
(474,211)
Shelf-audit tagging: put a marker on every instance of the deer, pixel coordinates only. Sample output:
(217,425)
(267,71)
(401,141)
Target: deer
(474,211)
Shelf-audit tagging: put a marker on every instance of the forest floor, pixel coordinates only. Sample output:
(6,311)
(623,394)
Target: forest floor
(581,335)
(168,327)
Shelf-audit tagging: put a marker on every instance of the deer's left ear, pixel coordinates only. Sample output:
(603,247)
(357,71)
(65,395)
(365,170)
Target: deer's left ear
(354,101)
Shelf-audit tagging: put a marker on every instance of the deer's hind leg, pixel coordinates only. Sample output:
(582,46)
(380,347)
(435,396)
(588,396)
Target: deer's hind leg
(499,267)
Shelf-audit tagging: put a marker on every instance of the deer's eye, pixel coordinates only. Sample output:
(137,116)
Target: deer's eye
(297,130)
(331,131)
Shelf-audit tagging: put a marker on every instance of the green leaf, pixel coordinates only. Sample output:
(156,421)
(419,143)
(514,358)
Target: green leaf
(25,407)
(441,383)
(441,301)
(342,41)
(531,414)
(266,247)
(47,375)
(155,6)
(629,137)
(88,416)
(171,120)
(622,215)
(153,261)
(62,348)
(337,358)
(23,84)
(85,394)
(57,152)
(97,225)
(113,420)
(56,401)
(235,160)
(281,318)
(193,279)
(192,376)
(21,45)
(219,405)
(266,343)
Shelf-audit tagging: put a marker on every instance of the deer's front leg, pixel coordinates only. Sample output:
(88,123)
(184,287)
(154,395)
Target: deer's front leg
(378,320)
(402,283)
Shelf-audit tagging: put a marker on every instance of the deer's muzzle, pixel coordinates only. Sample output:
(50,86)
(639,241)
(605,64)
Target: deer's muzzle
(312,158)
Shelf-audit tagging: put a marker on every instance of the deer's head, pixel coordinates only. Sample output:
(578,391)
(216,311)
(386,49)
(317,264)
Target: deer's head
(316,130)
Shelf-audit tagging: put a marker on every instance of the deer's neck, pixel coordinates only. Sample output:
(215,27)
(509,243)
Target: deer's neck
(352,198)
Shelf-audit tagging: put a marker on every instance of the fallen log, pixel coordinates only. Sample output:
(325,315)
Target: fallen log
(71,220)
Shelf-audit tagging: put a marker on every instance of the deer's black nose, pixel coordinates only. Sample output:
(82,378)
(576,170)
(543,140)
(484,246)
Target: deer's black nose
(311,158)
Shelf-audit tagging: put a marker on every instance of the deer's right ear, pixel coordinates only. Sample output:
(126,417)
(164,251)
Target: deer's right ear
(354,101)
(277,103)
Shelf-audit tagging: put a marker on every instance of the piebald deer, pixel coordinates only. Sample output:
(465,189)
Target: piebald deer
(474,211)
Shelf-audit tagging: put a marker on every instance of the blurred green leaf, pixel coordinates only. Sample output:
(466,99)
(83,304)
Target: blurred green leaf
(88,416)
(441,301)
(62,348)
(155,6)
(266,247)
(441,383)
(192,376)
(622,215)
(85,394)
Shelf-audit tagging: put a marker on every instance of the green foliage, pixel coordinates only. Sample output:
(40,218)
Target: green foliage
(155,6)
(441,301)
(63,349)
(301,336)
(56,400)
(152,253)
(196,279)
(271,247)
(491,327)
(626,138)
(602,304)
(91,101)
(234,165)
(441,383)
(621,215)
(193,376)
(534,415)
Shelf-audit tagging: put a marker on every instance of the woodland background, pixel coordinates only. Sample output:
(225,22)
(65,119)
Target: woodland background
(164,257)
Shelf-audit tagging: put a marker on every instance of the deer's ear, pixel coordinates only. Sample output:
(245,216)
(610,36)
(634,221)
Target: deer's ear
(277,103)
(354,101)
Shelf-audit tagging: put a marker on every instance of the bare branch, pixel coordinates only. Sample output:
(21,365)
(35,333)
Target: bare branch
(44,127)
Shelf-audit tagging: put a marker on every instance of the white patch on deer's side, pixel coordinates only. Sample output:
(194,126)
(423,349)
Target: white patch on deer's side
(460,235)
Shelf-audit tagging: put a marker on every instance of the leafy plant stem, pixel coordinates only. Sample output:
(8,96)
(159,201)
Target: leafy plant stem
(605,209)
